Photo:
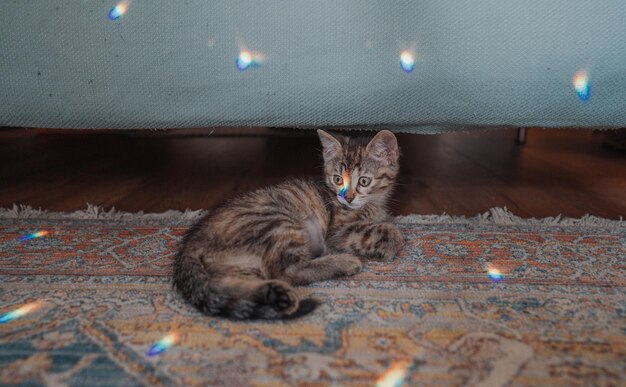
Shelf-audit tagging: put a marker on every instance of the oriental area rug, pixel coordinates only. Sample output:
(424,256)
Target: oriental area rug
(86,299)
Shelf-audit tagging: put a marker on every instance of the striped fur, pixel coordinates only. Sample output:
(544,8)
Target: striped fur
(244,257)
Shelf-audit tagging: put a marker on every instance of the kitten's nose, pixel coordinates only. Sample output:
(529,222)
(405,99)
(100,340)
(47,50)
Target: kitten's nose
(349,199)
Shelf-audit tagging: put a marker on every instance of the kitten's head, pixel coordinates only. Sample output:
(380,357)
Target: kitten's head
(360,170)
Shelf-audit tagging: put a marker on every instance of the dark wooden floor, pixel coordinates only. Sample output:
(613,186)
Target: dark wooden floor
(556,172)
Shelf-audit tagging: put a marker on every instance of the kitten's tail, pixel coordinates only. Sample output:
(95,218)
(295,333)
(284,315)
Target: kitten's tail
(198,287)
(194,283)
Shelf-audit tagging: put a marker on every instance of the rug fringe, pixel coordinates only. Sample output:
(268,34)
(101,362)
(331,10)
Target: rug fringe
(502,216)
(96,212)
(496,215)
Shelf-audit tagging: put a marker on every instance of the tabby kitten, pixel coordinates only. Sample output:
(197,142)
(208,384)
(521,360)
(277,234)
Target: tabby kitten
(242,259)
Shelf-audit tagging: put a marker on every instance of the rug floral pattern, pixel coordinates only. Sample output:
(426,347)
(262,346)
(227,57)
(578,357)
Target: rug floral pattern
(558,317)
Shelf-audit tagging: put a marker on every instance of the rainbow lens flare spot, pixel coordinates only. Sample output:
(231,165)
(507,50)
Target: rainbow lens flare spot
(247,59)
(244,60)
(34,235)
(395,375)
(346,184)
(407,62)
(118,11)
(495,274)
(19,312)
(581,85)
(163,344)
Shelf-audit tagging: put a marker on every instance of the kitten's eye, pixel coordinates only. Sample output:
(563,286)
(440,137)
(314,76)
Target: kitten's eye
(338,179)
(364,181)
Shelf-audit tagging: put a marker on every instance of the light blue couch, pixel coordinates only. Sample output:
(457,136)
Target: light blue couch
(172,64)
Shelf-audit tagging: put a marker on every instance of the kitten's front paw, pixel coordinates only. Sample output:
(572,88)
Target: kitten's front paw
(386,243)
(348,264)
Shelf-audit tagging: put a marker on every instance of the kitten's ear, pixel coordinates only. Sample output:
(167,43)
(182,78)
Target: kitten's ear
(332,146)
(384,147)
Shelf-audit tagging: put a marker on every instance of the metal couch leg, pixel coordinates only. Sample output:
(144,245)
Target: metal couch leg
(521,136)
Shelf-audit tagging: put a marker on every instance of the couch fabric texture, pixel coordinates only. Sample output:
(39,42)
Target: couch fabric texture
(172,64)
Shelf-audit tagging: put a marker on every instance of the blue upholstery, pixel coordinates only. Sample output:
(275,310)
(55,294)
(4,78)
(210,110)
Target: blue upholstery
(171,64)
